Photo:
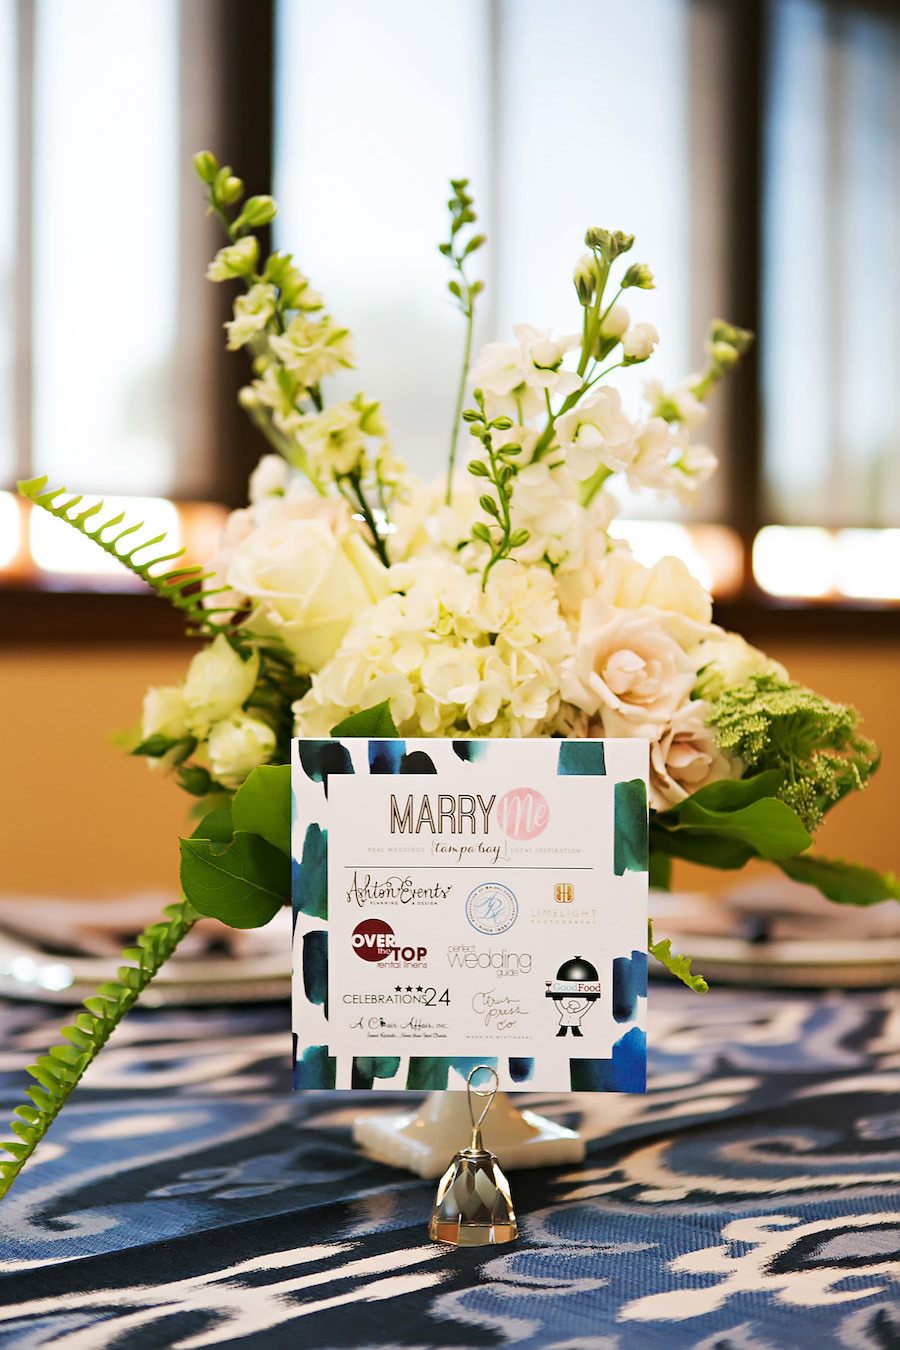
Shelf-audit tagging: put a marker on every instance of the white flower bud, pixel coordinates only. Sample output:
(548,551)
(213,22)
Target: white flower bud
(218,683)
(237,745)
(638,343)
(268,478)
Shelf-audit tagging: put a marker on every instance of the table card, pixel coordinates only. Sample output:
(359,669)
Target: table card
(471,901)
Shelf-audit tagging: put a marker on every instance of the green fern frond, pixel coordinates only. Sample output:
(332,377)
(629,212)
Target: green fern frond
(679,966)
(172,585)
(58,1072)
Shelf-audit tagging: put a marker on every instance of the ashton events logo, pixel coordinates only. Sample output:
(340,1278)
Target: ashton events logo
(523,813)
(373,940)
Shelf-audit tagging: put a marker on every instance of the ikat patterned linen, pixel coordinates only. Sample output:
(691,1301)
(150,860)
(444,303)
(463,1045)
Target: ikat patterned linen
(186,1198)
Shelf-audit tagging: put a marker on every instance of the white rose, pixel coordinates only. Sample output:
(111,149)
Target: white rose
(639,341)
(165,713)
(218,683)
(269,476)
(307,579)
(725,658)
(627,662)
(236,745)
(686,757)
(596,432)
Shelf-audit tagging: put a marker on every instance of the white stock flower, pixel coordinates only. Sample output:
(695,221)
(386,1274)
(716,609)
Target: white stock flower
(615,323)
(686,757)
(269,478)
(307,573)
(251,314)
(165,713)
(516,377)
(236,745)
(678,405)
(639,341)
(312,348)
(627,662)
(334,441)
(693,467)
(218,683)
(541,359)
(596,433)
(650,467)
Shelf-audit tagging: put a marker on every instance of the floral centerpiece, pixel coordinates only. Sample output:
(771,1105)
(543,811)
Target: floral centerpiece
(349,597)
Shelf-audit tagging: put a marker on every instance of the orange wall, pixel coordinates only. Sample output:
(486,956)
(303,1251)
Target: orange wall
(79,817)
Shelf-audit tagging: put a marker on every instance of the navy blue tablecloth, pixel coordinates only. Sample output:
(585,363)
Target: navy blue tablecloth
(186,1198)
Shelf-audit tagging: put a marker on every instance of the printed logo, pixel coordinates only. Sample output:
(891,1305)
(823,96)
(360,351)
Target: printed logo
(373,940)
(574,991)
(492,908)
(523,813)
(564,892)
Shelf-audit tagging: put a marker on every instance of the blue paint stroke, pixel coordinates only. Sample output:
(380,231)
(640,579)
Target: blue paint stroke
(626,1071)
(521,1070)
(629,983)
(385,756)
(581,759)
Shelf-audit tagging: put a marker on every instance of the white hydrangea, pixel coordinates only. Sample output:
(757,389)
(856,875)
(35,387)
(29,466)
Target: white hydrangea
(451,659)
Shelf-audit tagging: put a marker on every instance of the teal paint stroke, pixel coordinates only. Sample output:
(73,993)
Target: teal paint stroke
(581,759)
(366,1068)
(315,967)
(315,1069)
(631,851)
(310,879)
(430,1073)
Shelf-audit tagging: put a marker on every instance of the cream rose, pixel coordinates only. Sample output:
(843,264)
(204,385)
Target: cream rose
(307,579)
(627,663)
(668,585)
(686,757)
(218,683)
(236,745)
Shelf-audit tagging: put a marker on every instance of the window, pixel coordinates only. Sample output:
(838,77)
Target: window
(752,148)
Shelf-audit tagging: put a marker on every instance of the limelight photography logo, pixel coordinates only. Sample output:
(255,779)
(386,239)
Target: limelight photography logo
(374,940)
(523,813)
(564,892)
(492,908)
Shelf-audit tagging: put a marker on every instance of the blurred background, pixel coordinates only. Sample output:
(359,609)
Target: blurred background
(753,149)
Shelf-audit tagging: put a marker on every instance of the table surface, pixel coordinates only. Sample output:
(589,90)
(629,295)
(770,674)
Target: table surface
(186,1198)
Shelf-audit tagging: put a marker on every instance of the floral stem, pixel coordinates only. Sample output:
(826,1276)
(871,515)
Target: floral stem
(460,395)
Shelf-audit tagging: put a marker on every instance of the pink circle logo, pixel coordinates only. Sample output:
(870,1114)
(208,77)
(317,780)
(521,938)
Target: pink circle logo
(523,813)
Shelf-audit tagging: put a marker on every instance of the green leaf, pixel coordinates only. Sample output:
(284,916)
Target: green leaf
(742,811)
(660,871)
(679,966)
(244,883)
(216,826)
(846,883)
(376,722)
(707,848)
(262,805)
